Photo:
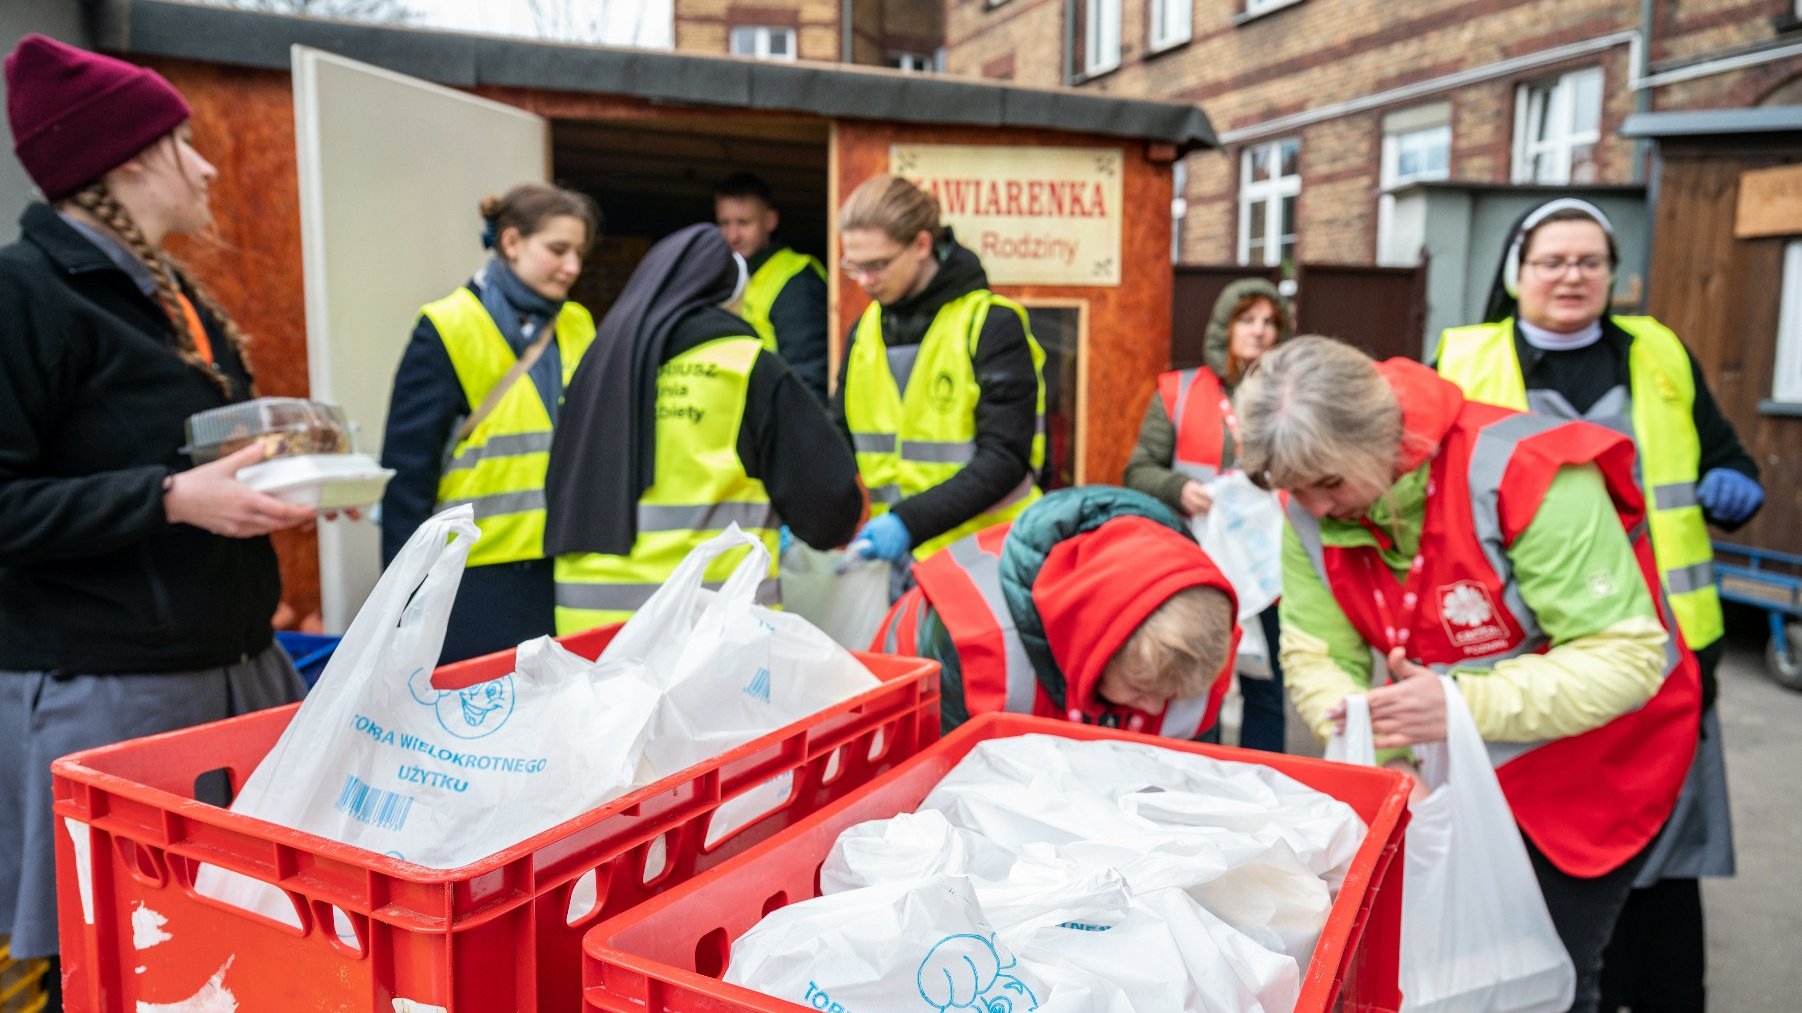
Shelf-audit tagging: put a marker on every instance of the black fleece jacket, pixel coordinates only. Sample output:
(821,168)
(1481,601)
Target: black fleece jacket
(798,316)
(785,440)
(93,400)
(1006,409)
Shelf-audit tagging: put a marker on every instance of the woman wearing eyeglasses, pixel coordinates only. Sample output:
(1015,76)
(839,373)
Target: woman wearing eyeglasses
(941,393)
(1550,345)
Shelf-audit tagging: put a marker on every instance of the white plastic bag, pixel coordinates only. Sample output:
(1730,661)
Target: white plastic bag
(380,758)
(1243,533)
(1476,936)
(844,596)
(730,670)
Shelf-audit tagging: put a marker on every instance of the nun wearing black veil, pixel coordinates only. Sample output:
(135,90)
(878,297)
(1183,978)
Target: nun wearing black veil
(1551,343)
(676,425)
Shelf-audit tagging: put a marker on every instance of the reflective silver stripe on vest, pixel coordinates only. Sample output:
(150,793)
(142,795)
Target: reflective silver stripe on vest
(631,597)
(1199,472)
(1020,492)
(1674,496)
(705,516)
(873,443)
(889,494)
(984,570)
(508,445)
(1488,462)
(500,503)
(1183,379)
(938,452)
(901,364)
(1690,578)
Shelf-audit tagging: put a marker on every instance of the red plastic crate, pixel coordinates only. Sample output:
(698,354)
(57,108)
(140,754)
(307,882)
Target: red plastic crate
(491,936)
(668,953)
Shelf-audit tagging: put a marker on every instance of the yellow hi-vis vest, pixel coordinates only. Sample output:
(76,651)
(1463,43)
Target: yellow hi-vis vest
(699,487)
(499,468)
(767,283)
(1482,360)
(912,410)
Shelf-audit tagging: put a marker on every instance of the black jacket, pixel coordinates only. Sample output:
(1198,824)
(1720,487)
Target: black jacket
(93,577)
(798,316)
(1006,409)
(811,479)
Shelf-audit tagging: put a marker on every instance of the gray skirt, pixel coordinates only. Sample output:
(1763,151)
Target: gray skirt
(1698,838)
(44,716)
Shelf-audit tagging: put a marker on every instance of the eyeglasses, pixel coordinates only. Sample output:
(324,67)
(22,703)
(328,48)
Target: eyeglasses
(869,268)
(1555,267)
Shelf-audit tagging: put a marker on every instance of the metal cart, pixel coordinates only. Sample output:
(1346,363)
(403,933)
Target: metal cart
(1771,581)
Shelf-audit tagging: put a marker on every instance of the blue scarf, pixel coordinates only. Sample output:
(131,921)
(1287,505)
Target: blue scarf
(519,312)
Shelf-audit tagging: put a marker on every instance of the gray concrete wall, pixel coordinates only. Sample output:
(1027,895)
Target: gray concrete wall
(59,19)
(1467,227)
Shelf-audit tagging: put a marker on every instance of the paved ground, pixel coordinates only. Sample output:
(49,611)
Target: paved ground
(1754,919)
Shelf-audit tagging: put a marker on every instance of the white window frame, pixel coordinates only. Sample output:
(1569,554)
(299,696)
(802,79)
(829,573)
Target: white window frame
(1101,37)
(1565,136)
(760,36)
(1786,379)
(1398,128)
(1256,7)
(1168,23)
(1270,192)
(916,63)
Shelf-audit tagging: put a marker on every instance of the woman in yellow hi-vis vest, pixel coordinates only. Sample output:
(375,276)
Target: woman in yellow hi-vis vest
(680,424)
(941,392)
(475,401)
(1551,345)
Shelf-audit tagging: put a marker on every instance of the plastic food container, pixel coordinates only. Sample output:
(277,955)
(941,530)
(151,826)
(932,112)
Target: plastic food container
(290,426)
(320,481)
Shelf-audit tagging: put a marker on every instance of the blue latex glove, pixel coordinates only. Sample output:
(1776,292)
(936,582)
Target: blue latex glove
(1728,496)
(784,539)
(885,538)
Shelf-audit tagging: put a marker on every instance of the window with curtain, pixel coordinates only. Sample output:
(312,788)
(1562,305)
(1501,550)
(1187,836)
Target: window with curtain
(763,41)
(1101,36)
(1168,23)
(1557,124)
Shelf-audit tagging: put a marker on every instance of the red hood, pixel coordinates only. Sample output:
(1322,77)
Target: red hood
(1430,404)
(1097,588)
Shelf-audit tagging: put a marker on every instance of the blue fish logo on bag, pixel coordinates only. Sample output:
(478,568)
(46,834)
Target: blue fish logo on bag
(468,713)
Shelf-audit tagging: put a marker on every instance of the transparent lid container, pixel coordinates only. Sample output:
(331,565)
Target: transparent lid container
(289,426)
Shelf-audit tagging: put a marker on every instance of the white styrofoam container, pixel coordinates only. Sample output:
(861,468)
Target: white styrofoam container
(320,481)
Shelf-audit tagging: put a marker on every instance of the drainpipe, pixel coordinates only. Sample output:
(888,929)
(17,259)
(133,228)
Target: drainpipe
(845,52)
(1642,97)
(1070,42)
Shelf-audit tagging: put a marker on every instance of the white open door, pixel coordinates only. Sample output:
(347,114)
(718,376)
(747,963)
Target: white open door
(391,171)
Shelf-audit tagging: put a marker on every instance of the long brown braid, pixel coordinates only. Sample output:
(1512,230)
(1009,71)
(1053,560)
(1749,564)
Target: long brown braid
(99,201)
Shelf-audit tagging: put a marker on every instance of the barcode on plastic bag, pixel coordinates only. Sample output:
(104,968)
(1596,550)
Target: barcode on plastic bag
(385,809)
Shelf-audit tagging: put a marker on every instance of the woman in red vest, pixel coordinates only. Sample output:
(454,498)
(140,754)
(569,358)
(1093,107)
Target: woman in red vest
(1508,551)
(1186,441)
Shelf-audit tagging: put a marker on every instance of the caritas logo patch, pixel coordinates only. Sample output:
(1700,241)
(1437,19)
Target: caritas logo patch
(1469,616)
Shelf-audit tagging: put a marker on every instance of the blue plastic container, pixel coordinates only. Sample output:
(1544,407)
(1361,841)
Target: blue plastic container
(310,651)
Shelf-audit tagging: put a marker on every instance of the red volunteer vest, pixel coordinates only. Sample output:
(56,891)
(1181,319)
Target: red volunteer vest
(963,584)
(1589,801)
(1198,407)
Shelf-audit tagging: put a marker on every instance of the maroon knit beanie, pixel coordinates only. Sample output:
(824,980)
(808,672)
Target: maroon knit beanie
(77,114)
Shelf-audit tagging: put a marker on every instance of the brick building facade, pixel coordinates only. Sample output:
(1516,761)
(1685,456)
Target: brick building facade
(1323,105)
(908,34)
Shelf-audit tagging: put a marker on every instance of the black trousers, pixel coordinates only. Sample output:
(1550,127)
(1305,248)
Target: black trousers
(1584,912)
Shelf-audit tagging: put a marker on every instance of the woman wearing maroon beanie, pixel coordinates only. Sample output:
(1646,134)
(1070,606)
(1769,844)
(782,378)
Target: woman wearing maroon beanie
(135,592)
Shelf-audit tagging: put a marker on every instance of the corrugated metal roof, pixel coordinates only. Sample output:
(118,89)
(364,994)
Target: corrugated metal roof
(245,38)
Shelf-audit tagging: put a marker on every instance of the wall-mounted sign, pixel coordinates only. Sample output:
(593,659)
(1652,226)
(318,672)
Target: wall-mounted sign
(1036,216)
(1770,203)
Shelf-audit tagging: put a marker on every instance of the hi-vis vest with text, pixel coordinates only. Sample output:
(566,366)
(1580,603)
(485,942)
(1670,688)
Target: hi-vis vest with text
(1589,801)
(499,468)
(1482,360)
(700,487)
(767,283)
(1196,403)
(963,585)
(912,410)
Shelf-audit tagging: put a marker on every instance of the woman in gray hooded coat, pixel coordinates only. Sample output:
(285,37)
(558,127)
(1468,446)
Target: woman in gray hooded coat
(1187,440)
